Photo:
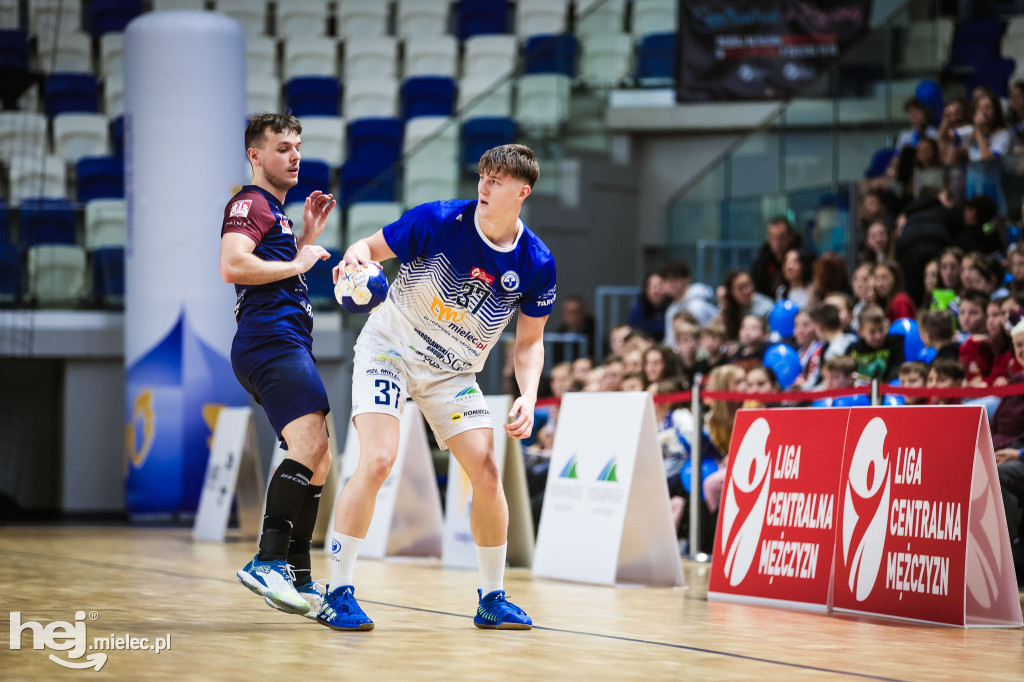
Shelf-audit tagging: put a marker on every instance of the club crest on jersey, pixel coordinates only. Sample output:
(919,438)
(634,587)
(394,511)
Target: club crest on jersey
(240,209)
(510,280)
(478,273)
(286,226)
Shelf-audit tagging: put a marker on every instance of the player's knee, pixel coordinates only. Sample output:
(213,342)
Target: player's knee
(488,478)
(378,466)
(323,463)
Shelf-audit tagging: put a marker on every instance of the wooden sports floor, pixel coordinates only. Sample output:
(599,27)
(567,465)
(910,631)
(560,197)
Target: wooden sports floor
(145,582)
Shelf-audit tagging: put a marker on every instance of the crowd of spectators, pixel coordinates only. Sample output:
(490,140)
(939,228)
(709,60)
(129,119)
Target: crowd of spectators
(941,310)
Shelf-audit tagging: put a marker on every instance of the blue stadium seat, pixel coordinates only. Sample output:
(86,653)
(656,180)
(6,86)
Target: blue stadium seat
(481,134)
(10,273)
(479,17)
(314,96)
(46,221)
(5,223)
(976,41)
(363,180)
(71,92)
(880,160)
(320,281)
(108,275)
(993,74)
(428,96)
(111,16)
(551,54)
(117,137)
(13,49)
(374,142)
(100,177)
(313,175)
(656,60)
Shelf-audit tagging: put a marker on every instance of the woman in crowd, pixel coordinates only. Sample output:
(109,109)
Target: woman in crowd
(887,284)
(878,245)
(796,278)
(999,339)
(829,275)
(982,273)
(739,299)
(720,417)
(661,362)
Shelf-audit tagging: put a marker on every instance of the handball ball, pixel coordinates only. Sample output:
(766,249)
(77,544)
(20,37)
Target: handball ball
(361,290)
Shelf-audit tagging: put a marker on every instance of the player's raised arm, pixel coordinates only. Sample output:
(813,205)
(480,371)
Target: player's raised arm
(528,359)
(373,249)
(239,265)
(314,216)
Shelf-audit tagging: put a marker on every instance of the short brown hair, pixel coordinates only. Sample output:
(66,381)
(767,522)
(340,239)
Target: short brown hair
(840,363)
(948,368)
(871,314)
(516,160)
(914,367)
(827,316)
(256,131)
(938,324)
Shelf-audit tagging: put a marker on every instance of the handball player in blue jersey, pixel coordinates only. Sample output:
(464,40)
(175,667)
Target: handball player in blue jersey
(272,353)
(466,268)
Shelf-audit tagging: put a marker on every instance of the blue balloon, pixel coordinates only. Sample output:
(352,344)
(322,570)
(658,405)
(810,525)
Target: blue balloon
(895,382)
(707,467)
(784,361)
(782,317)
(926,355)
(907,328)
(929,93)
(893,400)
(822,402)
(852,401)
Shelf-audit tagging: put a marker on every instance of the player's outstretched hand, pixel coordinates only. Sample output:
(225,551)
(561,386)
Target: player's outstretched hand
(522,413)
(308,255)
(314,213)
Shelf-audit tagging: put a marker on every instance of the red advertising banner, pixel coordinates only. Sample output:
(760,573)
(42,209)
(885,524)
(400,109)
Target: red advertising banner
(919,502)
(889,511)
(779,513)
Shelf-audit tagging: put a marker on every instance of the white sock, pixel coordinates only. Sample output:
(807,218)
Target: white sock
(491,561)
(344,551)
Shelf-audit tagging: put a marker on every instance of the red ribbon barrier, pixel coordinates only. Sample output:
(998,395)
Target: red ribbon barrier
(966,392)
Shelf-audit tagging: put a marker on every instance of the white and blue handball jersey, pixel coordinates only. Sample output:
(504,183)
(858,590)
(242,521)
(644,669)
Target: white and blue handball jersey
(456,290)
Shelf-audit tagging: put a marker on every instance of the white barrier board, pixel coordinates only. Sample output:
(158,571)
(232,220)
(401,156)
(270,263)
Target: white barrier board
(407,519)
(458,549)
(606,516)
(233,473)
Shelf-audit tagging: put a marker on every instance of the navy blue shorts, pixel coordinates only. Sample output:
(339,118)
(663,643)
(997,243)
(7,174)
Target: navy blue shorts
(281,374)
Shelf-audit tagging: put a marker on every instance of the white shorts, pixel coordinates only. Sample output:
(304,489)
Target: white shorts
(382,381)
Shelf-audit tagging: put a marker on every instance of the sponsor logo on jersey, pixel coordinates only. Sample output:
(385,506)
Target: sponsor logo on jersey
(388,356)
(286,226)
(547,298)
(510,280)
(240,209)
(469,414)
(472,390)
(444,313)
(456,417)
(478,273)
(442,354)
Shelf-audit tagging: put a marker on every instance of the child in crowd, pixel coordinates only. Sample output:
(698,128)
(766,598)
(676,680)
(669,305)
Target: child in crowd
(753,342)
(687,347)
(617,339)
(809,348)
(999,339)
(914,374)
(828,327)
(844,303)
(760,380)
(613,371)
(878,353)
(945,373)
(838,372)
(633,383)
(975,347)
(712,342)
(660,362)
(581,369)
(633,361)
(936,330)
(860,282)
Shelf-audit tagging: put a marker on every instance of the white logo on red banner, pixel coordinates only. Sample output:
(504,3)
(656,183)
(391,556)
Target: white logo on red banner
(749,481)
(240,209)
(866,509)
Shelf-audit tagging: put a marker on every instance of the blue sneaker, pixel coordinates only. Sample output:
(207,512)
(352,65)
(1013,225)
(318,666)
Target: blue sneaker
(497,613)
(312,592)
(273,580)
(341,611)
